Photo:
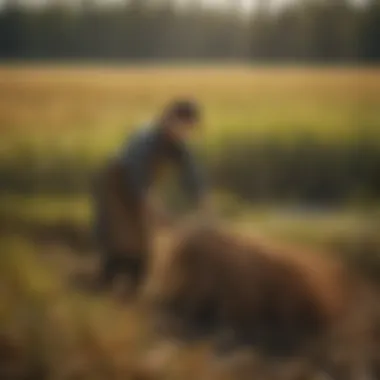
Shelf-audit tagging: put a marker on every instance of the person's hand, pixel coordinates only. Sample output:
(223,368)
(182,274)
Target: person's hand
(158,212)
(206,208)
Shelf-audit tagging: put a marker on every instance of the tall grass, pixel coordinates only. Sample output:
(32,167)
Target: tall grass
(50,331)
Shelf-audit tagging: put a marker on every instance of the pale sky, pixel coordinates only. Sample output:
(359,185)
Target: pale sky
(245,3)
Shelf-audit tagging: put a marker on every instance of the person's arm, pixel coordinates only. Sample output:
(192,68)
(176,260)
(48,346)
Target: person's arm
(192,177)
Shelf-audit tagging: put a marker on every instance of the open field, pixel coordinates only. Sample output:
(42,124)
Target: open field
(265,128)
(288,135)
(261,100)
(274,140)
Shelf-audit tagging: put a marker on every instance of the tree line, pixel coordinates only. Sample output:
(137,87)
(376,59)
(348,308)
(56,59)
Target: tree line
(309,30)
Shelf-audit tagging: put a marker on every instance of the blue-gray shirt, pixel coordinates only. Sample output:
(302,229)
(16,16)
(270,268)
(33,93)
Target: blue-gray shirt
(148,150)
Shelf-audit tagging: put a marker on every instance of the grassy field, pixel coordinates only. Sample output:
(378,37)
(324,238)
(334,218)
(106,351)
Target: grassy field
(57,124)
(73,98)
(79,101)
(269,133)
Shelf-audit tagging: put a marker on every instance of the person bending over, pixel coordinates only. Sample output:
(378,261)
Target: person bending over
(123,193)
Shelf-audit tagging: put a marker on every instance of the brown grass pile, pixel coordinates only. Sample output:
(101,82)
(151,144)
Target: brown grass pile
(284,303)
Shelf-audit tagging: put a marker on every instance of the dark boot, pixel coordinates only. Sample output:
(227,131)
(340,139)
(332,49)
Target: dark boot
(109,269)
(134,267)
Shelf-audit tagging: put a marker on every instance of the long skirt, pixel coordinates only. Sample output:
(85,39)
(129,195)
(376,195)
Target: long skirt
(121,225)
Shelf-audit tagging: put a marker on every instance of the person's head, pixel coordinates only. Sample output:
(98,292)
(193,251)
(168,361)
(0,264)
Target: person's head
(180,119)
